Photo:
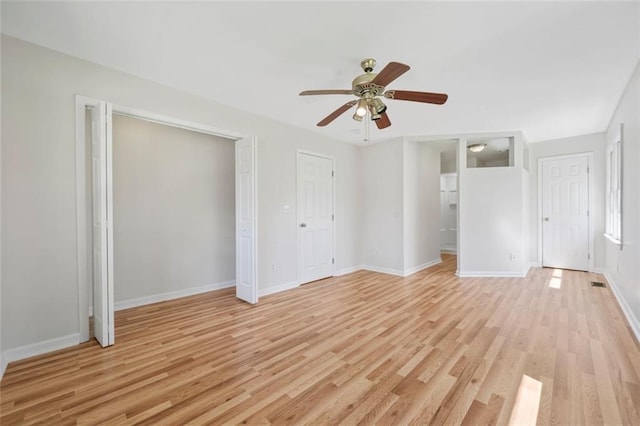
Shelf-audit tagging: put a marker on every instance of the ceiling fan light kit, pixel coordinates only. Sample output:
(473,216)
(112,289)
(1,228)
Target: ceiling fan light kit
(368,87)
(361,110)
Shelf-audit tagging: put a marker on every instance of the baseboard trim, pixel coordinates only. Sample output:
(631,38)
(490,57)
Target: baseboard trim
(527,268)
(449,250)
(387,271)
(626,309)
(490,274)
(425,265)
(39,348)
(163,297)
(278,288)
(3,367)
(345,271)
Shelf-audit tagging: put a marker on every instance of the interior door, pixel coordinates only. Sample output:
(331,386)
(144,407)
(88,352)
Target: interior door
(246,214)
(315,217)
(565,213)
(102,232)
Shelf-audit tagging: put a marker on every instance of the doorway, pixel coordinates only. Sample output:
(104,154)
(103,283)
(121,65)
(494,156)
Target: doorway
(564,197)
(316,218)
(448,197)
(89,190)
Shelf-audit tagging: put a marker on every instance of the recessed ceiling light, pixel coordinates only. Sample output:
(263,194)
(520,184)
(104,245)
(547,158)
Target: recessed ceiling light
(477,147)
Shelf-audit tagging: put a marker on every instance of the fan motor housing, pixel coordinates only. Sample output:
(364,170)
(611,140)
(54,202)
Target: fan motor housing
(362,85)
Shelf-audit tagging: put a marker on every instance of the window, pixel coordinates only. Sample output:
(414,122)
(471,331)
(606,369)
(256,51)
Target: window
(495,152)
(614,191)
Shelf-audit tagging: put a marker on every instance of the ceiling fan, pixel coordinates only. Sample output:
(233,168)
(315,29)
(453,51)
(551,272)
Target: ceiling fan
(369,87)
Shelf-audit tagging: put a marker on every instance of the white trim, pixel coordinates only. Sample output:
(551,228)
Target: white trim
(333,212)
(491,274)
(612,239)
(388,271)
(590,196)
(349,270)
(626,309)
(110,258)
(3,367)
(527,267)
(38,348)
(82,258)
(175,122)
(455,136)
(448,250)
(425,265)
(171,295)
(278,288)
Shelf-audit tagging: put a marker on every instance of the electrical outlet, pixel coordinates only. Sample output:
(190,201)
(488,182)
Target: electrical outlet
(512,256)
(273,267)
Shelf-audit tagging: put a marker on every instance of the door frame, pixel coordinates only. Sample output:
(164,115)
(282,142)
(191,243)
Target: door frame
(541,160)
(333,208)
(82,253)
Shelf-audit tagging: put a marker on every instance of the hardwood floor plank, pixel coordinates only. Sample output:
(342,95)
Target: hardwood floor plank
(362,348)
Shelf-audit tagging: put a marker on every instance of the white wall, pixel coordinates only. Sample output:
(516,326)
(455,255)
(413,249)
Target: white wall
(448,163)
(623,266)
(491,221)
(593,143)
(39,279)
(382,206)
(174,209)
(421,205)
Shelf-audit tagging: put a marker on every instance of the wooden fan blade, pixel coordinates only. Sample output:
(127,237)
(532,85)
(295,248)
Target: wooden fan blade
(383,122)
(326,92)
(408,95)
(389,73)
(337,113)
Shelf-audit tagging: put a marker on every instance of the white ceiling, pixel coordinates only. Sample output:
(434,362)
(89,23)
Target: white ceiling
(549,69)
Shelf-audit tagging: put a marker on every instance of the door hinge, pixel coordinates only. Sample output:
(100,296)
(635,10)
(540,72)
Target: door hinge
(333,217)
(589,256)
(587,169)
(332,173)
(587,213)
(333,260)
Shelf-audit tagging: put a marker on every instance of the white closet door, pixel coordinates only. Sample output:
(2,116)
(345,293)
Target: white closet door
(103,307)
(246,217)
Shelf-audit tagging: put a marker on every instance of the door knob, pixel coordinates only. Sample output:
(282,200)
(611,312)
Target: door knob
(546,219)
(303,225)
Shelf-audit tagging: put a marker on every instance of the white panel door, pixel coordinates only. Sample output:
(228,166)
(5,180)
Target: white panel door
(565,213)
(246,214)
(315,217)
(102,232)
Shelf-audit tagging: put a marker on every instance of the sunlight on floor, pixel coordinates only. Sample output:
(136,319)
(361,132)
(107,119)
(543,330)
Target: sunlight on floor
(525,410)
(555,282)
(556,279)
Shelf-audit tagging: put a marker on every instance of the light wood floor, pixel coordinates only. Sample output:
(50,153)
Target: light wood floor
(363,348)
